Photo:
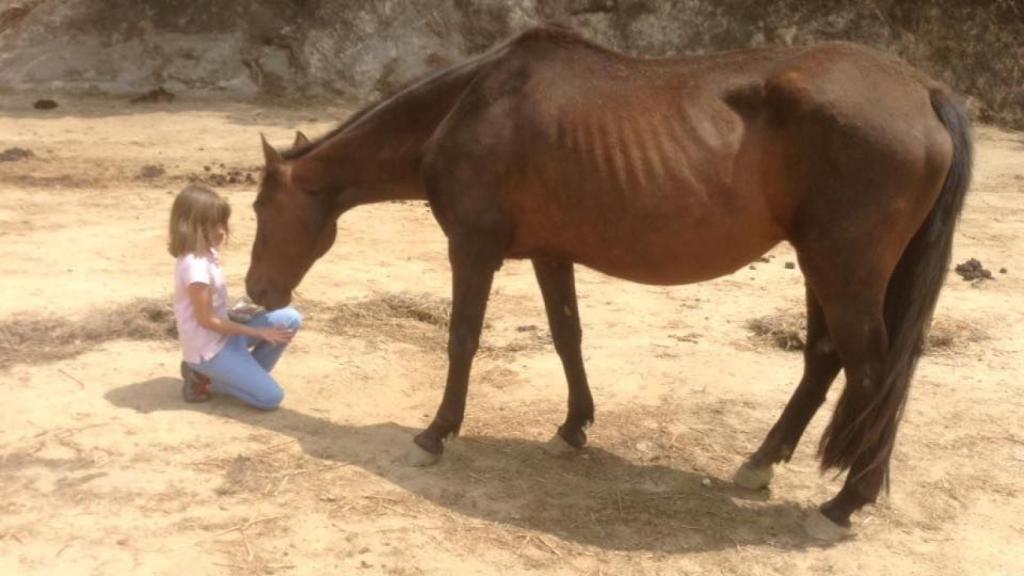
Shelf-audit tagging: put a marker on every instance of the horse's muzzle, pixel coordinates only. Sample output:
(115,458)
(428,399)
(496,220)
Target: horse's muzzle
(262,294)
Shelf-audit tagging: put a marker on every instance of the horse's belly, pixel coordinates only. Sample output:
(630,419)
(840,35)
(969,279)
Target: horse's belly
(683,258)
(678,244)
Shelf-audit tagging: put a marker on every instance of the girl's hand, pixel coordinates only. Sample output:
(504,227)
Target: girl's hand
(276,335)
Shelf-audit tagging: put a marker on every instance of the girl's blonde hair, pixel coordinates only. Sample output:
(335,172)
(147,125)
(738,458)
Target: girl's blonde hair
(195,216)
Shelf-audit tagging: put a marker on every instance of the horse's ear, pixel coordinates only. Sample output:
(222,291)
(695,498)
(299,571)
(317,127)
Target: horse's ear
(270,154)
(300,139)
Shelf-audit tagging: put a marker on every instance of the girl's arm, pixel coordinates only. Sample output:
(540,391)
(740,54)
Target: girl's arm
(202,304)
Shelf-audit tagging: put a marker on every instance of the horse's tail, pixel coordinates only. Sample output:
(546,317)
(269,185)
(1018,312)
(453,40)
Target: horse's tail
(863,430)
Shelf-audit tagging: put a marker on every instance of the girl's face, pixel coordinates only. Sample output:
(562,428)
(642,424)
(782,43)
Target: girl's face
(218,236)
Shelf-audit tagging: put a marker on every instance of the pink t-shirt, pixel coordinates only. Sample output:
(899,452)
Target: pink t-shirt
(198,343)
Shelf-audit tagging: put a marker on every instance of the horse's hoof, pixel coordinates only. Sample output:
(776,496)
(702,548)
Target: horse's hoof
(419,458)
(753,477)
(819,527)
(557,446)
(426,451)
(576,438)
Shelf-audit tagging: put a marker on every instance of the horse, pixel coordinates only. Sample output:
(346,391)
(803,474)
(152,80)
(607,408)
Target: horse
(663,171)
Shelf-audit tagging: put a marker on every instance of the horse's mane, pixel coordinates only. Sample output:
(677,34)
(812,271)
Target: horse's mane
(551,33)
(300,151)
(413,89)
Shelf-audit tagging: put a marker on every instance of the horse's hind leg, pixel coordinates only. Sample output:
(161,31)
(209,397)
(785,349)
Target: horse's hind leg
(558,286)
(852,293)
(821,365)
(863,484)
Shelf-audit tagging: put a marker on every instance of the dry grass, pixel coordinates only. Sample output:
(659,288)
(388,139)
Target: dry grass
(787,331)
(784,331)
(411,318)
(35,339)
(951,336)
(419,319)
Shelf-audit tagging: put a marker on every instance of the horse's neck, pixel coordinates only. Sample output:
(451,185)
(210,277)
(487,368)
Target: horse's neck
(376,158)
(376,162)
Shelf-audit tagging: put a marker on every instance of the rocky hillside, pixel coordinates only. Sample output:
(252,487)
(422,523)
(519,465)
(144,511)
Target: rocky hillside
(362,48)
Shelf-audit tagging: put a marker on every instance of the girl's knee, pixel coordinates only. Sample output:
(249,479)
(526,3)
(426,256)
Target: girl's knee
(291,318)
(268,399)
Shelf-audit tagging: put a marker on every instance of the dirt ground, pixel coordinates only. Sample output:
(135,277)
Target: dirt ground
(104,470)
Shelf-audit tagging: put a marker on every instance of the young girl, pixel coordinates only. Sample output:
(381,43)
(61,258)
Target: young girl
(219,354)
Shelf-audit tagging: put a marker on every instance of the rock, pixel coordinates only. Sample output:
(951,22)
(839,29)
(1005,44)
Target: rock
(45,104)
(156,96)
(151,171)
(15,154)
(790,265)
(1002,270)
(972,270)
(359,49)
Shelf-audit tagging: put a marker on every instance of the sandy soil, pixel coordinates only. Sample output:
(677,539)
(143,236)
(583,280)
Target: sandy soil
(104,470)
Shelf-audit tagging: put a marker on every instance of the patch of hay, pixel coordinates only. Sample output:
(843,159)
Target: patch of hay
(787,331)
(391,308)
(35,339)
(419,319)
(950,335)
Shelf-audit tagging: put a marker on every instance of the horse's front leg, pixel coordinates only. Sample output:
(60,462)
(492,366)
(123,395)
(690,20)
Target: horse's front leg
(473,265)
(558,286)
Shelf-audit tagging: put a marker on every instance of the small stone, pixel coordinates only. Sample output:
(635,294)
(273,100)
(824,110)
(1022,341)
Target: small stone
(1002,270)
(15,154)
(706,482)
(155,96)
(151,171)
(790,265)
(45,104)
(751,267)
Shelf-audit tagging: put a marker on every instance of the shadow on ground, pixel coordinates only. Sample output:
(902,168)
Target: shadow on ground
(594,498)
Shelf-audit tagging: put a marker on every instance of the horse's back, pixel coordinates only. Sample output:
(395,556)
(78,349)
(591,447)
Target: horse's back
(663,171)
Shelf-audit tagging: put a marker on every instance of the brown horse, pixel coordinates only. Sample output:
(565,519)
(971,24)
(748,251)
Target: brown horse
(664,172)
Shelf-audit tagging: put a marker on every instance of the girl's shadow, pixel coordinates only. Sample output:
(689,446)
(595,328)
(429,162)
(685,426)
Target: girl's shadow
(594,497)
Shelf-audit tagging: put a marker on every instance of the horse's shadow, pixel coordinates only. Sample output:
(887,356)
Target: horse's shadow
(594,498)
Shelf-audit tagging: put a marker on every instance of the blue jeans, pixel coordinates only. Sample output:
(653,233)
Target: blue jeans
(242,368)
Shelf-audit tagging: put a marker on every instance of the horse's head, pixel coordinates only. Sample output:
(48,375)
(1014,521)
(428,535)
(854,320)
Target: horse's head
(296,222)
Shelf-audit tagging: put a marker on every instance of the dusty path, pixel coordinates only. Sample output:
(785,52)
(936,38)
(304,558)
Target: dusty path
(103,470)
